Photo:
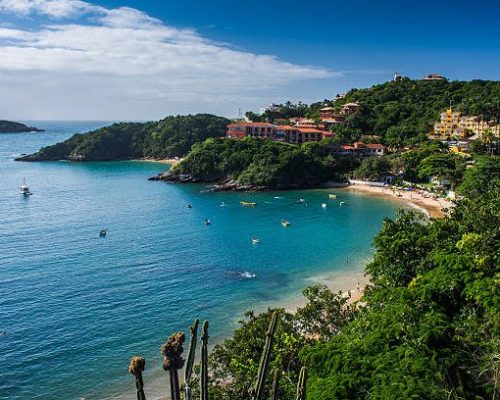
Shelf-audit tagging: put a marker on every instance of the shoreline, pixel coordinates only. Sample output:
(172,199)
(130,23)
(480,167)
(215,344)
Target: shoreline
(170,161)
(431,207)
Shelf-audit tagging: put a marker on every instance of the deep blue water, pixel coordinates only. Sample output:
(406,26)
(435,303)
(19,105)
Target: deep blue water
(74,307)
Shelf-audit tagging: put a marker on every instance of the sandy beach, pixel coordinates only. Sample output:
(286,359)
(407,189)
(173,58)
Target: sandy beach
(171,161)
(432,207)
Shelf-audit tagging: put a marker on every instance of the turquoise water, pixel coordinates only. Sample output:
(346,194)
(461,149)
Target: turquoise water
(74,307)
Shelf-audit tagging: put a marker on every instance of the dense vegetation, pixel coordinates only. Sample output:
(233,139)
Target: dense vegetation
(16,127)
(263,163)
(170,137)
(401,112)
(428,326)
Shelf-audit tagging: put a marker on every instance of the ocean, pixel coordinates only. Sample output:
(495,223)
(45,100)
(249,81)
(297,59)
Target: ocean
(74,307)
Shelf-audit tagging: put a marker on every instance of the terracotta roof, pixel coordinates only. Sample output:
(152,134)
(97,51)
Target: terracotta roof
(375,146)
(309,130)
(347,147)
(253,124)
(286,127)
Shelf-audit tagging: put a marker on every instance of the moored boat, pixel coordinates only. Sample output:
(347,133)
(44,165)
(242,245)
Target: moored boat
(24,188)
(285,223)
(248,203)
(332,196)
(103,232)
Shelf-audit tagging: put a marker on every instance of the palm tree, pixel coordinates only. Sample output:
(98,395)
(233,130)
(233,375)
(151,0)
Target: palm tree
(487,138)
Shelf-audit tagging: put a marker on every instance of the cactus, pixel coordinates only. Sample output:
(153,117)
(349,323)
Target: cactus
(204,362)
(188,370)
(265,359)
(136,366)
(173,361)
(301,385)
(275,386)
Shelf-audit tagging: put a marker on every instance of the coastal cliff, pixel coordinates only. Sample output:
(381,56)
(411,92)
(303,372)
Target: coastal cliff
(16,127)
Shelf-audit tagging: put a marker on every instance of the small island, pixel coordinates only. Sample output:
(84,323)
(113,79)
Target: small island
(16,127)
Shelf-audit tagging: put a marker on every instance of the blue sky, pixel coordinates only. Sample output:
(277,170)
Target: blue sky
(275,50)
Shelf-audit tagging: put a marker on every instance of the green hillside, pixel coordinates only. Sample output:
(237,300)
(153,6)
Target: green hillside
(170,137)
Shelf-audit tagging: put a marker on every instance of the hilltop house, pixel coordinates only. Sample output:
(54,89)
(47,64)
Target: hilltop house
(434,77)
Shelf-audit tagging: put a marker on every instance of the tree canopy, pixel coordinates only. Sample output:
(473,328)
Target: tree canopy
(170,137)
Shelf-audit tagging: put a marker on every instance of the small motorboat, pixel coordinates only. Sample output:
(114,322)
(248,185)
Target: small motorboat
(255,240)
(323,205)
(285,223)
(332,196)
(223,204)
(248,203)
(103,232)
(24,189)
(300,201)
(189,206)
(207,222)
(342,203)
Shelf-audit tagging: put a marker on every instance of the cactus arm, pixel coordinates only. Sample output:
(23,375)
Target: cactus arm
(204,362)
(301,385)
(188,370)
(275,386)
(265,359)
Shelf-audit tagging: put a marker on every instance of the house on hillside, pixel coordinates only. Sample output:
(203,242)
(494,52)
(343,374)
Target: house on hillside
(281,133)
(350,108)
(434,77)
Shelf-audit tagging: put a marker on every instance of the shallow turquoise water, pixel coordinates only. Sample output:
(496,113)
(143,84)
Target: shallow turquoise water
(74,307)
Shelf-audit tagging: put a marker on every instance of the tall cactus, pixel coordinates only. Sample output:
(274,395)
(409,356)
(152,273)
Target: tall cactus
(301,385)
(188,370)
(276,384)
(204,362)
(173,361)
(136,367)
(265,359)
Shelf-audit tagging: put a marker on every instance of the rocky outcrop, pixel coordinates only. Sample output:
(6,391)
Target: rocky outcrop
(16,127)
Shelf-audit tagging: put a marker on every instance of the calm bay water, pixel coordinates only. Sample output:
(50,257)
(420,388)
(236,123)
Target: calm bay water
(74,307)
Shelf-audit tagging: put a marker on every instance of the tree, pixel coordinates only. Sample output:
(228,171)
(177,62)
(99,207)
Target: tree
(443,166)
(374,168)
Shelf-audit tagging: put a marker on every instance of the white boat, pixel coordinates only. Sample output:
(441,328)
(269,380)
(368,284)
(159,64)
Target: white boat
(24,189)
(323,205)
(255,240)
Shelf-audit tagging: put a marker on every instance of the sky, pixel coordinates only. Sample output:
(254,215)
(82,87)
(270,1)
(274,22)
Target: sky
(145,59)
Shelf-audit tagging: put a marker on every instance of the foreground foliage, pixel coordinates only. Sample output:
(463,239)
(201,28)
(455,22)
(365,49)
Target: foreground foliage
(428,326)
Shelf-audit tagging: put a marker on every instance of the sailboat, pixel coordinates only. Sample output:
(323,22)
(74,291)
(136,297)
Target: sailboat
(24,188)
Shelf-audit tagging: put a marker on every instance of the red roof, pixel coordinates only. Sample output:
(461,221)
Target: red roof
(347,147)
(286,127)
(309,130)
(253,124)
(375,146)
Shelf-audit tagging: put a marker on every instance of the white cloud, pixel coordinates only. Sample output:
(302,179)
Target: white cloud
(144,67)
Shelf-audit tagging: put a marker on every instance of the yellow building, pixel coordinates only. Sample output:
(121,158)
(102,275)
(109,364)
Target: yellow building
(452,125)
